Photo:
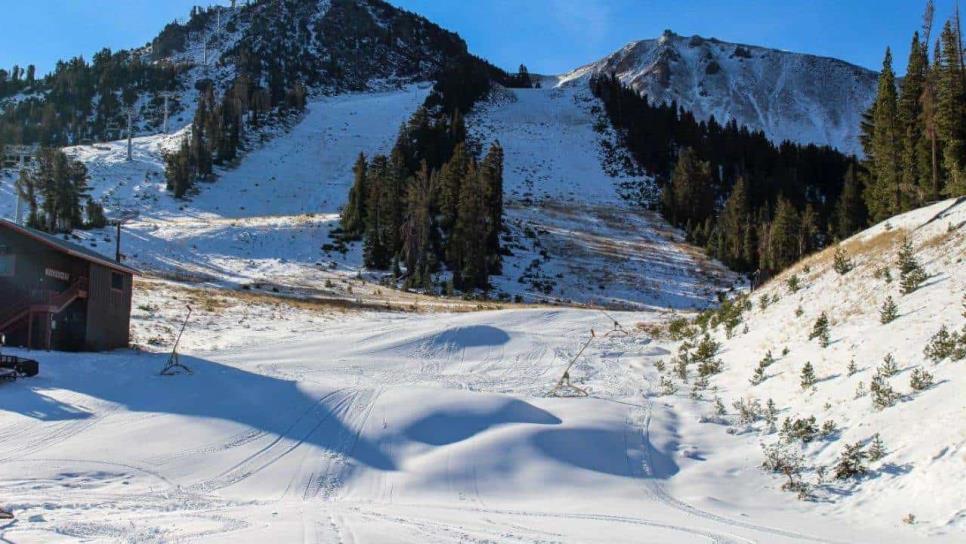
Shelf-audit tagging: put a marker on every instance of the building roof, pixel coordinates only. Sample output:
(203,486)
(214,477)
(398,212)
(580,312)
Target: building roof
(70,248)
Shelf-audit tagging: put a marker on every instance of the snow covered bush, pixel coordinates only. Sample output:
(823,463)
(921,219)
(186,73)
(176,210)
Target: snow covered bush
(803,429)
(877,449)
(889,368)
(851,462)
(793,283)
(883,396)
(946,345)
(920,380)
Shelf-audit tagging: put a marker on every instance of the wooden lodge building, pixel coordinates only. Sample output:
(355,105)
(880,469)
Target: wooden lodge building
(56,295)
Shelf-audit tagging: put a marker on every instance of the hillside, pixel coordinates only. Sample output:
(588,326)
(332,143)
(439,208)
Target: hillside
(435,427)
(789,96)
(922,432)
(266,220)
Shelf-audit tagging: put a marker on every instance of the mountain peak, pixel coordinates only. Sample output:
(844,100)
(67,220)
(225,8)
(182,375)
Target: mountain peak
(789,96)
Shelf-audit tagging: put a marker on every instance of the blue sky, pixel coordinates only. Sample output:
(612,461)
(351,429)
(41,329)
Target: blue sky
(550,36)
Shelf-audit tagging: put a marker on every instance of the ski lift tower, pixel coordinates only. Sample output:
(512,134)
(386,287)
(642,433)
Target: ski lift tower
(167,95)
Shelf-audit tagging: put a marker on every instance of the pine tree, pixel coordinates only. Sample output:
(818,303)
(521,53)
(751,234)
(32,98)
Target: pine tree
(951,108)
(914,156)
(851,214)
(808,376)
(783,236)
(418,231)
(691,192)
(841,262)
(851,462)
(821,330)
(889,311)
(353,216)
(95,214)
(877,449)
(911,273)
(491,180)
(883,195)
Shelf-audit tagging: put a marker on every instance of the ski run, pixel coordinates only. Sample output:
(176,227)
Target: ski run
(325,407)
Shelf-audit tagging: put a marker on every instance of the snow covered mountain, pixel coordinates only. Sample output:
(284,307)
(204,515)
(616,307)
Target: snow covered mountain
(790,96)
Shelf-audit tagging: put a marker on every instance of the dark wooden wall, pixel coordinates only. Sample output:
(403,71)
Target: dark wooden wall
(108,310)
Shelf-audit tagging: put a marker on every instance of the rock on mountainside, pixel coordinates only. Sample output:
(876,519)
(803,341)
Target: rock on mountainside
(790,96)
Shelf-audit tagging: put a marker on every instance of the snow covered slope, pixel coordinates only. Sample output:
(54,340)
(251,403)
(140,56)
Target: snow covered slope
(372,427)
(790,96)
(574,238)
(924,432)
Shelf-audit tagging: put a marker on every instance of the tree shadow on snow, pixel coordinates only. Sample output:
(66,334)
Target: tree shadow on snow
(271,405)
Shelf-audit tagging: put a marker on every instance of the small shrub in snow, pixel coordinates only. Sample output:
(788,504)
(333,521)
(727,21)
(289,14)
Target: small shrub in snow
(860,390)
(945,344)
(719,407)
(799,312)
(851,462)
(920,380)
(781,458)
(749,411)
(775,298)
(698,387)
(808,375)
(767,360)
(785,351)
(820,330)
(911,274)
(770,415)
(804,429)
(883,396)
(759,376)
(660,366)
(763,302)
(705,356)
(829,429)
(667,386)
(883,274)
(889,368)
(794,284)
(852,369)
(709,368)
(889,311)
(877,449)
(681,367)
(707,348)
(910,519)
(842,263)
(680,328)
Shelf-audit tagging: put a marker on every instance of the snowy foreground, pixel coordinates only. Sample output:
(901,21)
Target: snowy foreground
(381,428)
(305,421)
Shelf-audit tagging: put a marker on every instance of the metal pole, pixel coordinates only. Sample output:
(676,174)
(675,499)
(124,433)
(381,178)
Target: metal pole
(117,242)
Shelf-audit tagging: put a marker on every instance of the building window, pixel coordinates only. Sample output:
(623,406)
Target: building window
(117,281)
